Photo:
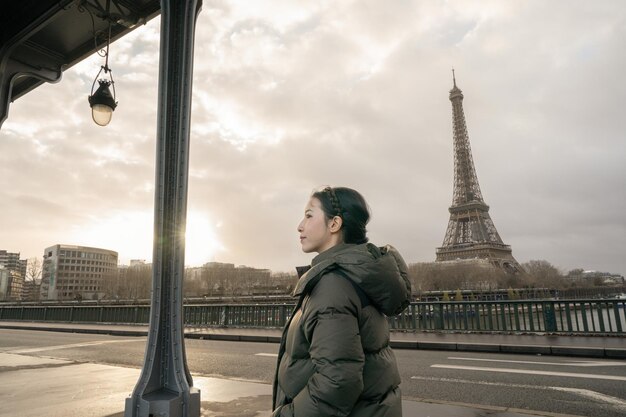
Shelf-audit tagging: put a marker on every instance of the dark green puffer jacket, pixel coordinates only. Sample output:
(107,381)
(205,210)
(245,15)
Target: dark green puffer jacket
(334,357)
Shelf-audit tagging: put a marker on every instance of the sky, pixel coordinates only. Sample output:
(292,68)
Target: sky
(289,96)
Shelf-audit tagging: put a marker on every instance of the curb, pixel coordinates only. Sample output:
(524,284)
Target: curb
(578,351)
(111,332)
(233,337)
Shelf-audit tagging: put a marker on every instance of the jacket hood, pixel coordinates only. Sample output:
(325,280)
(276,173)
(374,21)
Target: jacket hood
(380,272)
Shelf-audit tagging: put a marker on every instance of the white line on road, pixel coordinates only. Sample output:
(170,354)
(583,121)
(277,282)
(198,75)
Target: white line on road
(531,372)
(74,345)
(618,402)
(273,355)
(575,363)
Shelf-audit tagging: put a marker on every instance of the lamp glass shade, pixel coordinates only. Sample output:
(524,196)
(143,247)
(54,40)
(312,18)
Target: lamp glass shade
(102,104)
(101,114)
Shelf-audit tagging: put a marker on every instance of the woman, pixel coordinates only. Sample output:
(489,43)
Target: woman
(334,358)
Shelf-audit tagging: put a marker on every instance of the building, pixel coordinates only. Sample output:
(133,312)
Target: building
(219,279)
(76,272)
(471,232)
(595,278)
(4,283)
(11,260)
(14,276)
(30,291)
(137,262)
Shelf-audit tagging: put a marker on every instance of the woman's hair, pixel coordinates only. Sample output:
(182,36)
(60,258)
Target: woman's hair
(351,207)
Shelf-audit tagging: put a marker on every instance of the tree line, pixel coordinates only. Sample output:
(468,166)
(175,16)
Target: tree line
(482,276)
(133,283)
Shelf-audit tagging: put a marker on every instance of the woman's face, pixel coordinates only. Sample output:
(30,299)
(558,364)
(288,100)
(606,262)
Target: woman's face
(316,232)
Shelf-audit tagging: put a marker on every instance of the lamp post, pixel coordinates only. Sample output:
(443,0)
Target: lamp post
(165,387)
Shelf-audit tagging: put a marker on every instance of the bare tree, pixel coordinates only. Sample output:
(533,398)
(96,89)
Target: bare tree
(33,270)
(435,276)
(138,282)
(541,273)
(32,280)
(283,282)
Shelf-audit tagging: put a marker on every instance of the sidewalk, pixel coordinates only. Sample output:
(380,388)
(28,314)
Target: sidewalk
(37,386)
(613,347)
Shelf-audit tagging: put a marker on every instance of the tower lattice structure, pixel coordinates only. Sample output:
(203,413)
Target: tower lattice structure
(471,232)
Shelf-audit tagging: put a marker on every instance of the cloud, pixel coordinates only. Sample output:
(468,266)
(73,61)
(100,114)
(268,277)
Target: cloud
(290,95)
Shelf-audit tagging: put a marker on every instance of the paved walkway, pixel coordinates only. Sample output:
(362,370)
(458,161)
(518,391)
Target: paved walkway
(38,386)
(585,346)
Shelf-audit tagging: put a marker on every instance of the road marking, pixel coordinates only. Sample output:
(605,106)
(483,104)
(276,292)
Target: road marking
(618,402)
(531,372)
(10,348)
(575,363)
(73,345)
(273,355)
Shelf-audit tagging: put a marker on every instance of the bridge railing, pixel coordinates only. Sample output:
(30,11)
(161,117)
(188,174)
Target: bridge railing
(595,316)
(534,316)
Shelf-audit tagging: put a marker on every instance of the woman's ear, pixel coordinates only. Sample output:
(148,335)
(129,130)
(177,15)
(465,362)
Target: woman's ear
(335,224)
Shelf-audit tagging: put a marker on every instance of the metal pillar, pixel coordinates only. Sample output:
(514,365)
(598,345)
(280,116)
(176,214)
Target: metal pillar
(165,387)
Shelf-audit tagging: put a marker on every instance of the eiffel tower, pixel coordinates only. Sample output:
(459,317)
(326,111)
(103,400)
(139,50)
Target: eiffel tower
(471,232)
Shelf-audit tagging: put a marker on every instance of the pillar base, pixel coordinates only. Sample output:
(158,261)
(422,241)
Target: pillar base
(164,403)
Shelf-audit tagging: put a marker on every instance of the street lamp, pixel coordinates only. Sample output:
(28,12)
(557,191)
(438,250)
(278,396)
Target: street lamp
(102,102)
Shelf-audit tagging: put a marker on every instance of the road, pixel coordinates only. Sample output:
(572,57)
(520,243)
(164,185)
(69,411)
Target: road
(585,387)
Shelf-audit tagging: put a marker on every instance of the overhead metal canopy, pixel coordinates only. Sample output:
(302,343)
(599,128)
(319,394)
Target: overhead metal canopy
(39,39)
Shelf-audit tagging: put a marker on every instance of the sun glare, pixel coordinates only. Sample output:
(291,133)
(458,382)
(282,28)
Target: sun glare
(201,240)
(130,235)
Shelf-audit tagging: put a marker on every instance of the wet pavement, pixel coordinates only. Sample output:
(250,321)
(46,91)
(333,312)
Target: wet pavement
(38,386)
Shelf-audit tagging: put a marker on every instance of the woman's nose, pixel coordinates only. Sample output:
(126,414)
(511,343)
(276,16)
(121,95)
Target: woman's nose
(300,227)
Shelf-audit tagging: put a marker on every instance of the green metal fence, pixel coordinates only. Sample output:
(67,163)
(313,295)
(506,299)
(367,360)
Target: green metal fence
(551,316)
(539,316)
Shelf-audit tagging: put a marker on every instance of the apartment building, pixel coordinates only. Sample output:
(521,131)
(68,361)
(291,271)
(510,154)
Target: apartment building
(12,279)
(77,272)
